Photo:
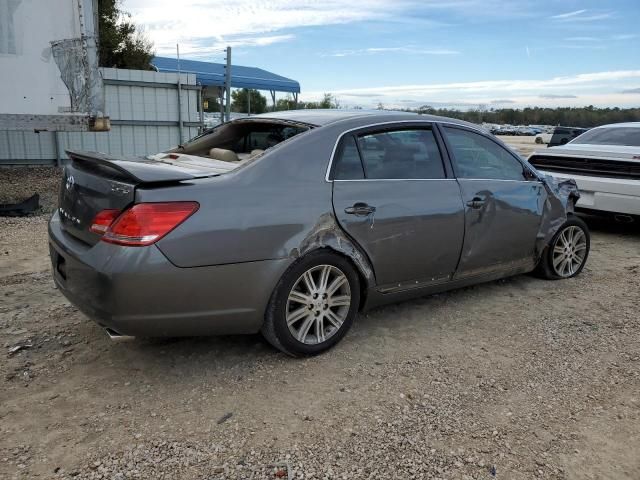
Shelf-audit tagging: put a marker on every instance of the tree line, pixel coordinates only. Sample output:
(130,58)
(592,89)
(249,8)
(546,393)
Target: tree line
(570,116)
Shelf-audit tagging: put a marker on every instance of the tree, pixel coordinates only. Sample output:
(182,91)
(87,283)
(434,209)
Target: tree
(328,101)
(287,104)
(240,104)
(121,44)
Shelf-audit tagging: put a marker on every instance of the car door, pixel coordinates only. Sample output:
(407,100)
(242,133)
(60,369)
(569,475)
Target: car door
(503,200)
(393,195)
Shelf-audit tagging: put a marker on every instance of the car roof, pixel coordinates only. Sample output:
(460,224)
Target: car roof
(328,116)
(621,125)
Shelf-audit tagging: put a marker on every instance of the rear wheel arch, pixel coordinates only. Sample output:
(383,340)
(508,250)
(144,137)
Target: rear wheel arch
(273,328)
(365,281)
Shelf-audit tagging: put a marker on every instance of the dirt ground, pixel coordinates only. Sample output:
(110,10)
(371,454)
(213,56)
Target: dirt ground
(515,379)
(524,145)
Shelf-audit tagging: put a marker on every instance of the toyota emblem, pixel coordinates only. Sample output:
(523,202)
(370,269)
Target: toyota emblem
(70,182)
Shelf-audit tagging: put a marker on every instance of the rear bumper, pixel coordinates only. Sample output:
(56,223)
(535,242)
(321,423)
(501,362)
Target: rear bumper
(137,291)
(606,194)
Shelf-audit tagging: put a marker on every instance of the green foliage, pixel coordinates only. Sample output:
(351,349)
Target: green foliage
(287,104)
(239,101)
(328,101)
(120,43)
(569,116)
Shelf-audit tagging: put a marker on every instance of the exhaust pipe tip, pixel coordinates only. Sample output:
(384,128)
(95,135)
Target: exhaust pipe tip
(118,338)
(623,218)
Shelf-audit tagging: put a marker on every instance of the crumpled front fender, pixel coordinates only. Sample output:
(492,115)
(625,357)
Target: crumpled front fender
(562,196)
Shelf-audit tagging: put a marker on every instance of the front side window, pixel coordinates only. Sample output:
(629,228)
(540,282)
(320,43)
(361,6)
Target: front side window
(401,154)
(476,156)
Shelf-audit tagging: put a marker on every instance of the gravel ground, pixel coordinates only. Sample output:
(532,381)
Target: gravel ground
(19,183)
(516,379)
(525,146)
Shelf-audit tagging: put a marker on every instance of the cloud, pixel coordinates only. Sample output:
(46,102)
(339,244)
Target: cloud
(598,88)
(582,16)
(556,96)
(581,39)
(568,15)
(168,22)
(191,22)
(402,50)
(625,36)
(502,102)
(252,41)
(631,91)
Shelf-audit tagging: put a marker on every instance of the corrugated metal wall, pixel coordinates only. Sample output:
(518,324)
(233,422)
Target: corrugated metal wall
(143,107)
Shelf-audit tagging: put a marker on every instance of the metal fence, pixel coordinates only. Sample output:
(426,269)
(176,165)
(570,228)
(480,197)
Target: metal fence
(150,112)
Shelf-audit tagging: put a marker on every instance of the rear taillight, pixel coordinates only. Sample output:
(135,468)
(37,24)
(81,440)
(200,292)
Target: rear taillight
(103,220)
(146,223)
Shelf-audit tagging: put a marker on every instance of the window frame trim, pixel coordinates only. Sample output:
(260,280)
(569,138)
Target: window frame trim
(385,127)
(516,157)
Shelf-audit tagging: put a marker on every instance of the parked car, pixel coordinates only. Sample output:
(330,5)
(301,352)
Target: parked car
(290,223)
(543,138)
(526,131)
(563,135)
(605,162)
(505,130)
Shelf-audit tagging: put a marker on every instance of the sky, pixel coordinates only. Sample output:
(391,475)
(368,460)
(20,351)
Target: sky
(408,53)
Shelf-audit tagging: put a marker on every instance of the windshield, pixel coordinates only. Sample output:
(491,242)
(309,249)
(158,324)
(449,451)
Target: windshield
(623,136)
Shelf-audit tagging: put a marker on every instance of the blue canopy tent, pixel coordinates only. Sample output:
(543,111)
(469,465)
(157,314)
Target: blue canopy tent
(213,75)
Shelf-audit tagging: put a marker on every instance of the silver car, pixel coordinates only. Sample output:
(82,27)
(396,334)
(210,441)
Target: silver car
(290,223)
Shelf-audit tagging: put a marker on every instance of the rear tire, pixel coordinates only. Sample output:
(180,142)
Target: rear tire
(567,253)
(313,305)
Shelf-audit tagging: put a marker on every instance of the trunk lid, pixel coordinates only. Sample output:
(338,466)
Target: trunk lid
(93,182)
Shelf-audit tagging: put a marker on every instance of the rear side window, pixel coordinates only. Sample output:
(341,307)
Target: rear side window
(348,164)
(623,136)
(401,154)
(476,156)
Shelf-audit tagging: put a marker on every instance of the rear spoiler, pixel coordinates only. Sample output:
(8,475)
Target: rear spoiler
(139,169)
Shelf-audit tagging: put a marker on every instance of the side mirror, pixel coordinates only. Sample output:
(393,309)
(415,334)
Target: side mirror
(529,174)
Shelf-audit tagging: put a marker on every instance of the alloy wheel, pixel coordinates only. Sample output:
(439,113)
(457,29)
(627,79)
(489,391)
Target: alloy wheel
(318,304)
(569,251)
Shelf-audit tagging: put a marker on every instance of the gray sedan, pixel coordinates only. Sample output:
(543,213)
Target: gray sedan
(290,223)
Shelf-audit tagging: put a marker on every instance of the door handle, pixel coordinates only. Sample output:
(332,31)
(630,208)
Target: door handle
(477,202)
(360,209)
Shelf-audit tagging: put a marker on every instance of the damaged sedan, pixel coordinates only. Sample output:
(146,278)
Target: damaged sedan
(291,223)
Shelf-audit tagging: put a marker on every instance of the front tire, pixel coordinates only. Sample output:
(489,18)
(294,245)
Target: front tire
(567,253)
(313,306)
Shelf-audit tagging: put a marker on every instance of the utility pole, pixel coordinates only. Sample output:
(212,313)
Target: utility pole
(227,85)
(180,122)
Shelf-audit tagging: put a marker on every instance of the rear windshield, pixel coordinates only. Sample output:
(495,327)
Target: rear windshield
(623,136)
(241,139)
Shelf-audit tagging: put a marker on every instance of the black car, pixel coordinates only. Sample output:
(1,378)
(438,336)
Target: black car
(563,135)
